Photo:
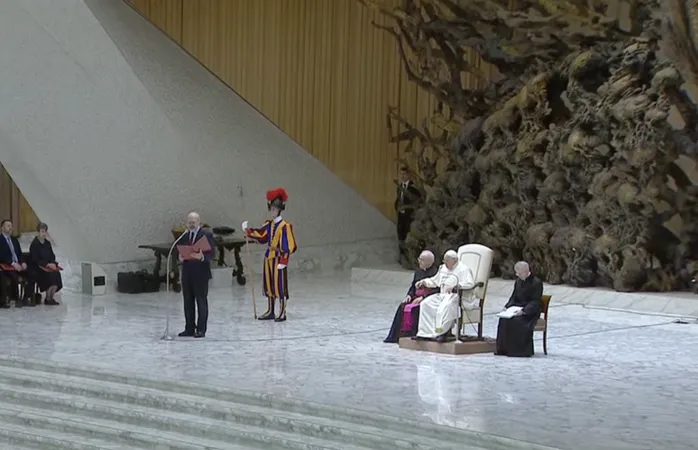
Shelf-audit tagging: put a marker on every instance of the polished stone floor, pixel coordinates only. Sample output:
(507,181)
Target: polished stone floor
(612,380)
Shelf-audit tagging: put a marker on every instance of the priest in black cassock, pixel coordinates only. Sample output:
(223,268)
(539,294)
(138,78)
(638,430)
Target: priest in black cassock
(515,335)
(426,269)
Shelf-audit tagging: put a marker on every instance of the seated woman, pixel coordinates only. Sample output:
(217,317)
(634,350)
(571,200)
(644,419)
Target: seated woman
(42,266)
(409,307)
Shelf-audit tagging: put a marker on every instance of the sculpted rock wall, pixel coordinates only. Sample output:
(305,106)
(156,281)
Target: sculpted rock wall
(566,159)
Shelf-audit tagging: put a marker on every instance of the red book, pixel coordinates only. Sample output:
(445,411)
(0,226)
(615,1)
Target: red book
(48,269)
(185,251)
(7,267)
(201,245)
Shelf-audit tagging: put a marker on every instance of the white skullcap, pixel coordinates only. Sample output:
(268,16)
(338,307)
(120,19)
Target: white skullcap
(451,254)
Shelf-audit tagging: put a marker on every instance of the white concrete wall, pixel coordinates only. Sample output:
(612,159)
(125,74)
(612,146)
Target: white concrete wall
(113,134)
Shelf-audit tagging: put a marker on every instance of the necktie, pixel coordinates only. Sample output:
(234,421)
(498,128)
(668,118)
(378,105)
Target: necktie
(12,249)
(191,238)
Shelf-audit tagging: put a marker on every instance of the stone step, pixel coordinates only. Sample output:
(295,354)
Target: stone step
(20,437)
(177,396)
(16,446)
(207,418)
(78,408)
(119,435)
(228,429)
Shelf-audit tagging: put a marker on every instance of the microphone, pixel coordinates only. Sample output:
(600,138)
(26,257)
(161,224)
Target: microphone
(166,336)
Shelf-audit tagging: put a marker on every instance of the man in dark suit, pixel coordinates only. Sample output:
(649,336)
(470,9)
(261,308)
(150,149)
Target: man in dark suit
(408,198)
(196,273)
(15,271)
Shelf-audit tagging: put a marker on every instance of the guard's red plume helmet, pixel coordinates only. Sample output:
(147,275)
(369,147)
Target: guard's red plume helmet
(277,193)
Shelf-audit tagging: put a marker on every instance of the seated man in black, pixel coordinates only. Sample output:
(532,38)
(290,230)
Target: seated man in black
(515,335)
(426,269)
(14,269)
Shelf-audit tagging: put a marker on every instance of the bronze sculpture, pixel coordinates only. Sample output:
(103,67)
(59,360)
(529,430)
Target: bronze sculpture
(566,159)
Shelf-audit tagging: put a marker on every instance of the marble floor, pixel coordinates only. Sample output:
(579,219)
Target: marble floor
(612,380)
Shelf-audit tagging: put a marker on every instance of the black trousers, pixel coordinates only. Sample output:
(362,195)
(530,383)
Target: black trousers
(404,222)
(195,293)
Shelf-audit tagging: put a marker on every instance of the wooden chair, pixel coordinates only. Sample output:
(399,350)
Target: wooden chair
(479,259)
(542,323)
(35,296)
(7,285)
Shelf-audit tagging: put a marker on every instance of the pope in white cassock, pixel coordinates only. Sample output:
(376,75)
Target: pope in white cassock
(439,312)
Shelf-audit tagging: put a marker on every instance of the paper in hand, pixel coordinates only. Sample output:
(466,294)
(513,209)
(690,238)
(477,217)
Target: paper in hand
(509,312)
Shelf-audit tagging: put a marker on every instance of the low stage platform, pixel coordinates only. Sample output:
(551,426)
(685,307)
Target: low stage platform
(462,347)
(612,380)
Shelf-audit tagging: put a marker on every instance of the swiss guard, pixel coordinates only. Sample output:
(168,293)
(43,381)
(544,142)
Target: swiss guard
(277,233)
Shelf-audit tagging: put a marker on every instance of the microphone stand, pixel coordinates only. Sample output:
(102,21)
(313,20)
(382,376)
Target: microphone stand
(166,336)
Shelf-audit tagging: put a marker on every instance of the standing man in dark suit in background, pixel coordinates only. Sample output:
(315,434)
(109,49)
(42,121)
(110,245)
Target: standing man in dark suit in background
(408,198)
(196,273)
(16,272)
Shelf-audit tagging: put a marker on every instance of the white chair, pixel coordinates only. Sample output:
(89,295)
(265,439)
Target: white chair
(478,258)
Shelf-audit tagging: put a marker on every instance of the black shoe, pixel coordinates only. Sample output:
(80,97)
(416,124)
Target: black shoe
(19,304)
(280,319)
(5,306)
(51,302)
(186,333)
(199,334)
(269,313)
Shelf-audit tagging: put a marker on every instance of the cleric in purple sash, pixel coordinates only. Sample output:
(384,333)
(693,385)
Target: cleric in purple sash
(407,315)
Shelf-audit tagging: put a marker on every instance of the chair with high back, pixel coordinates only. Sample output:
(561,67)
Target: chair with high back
(479,259)
(542,323)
